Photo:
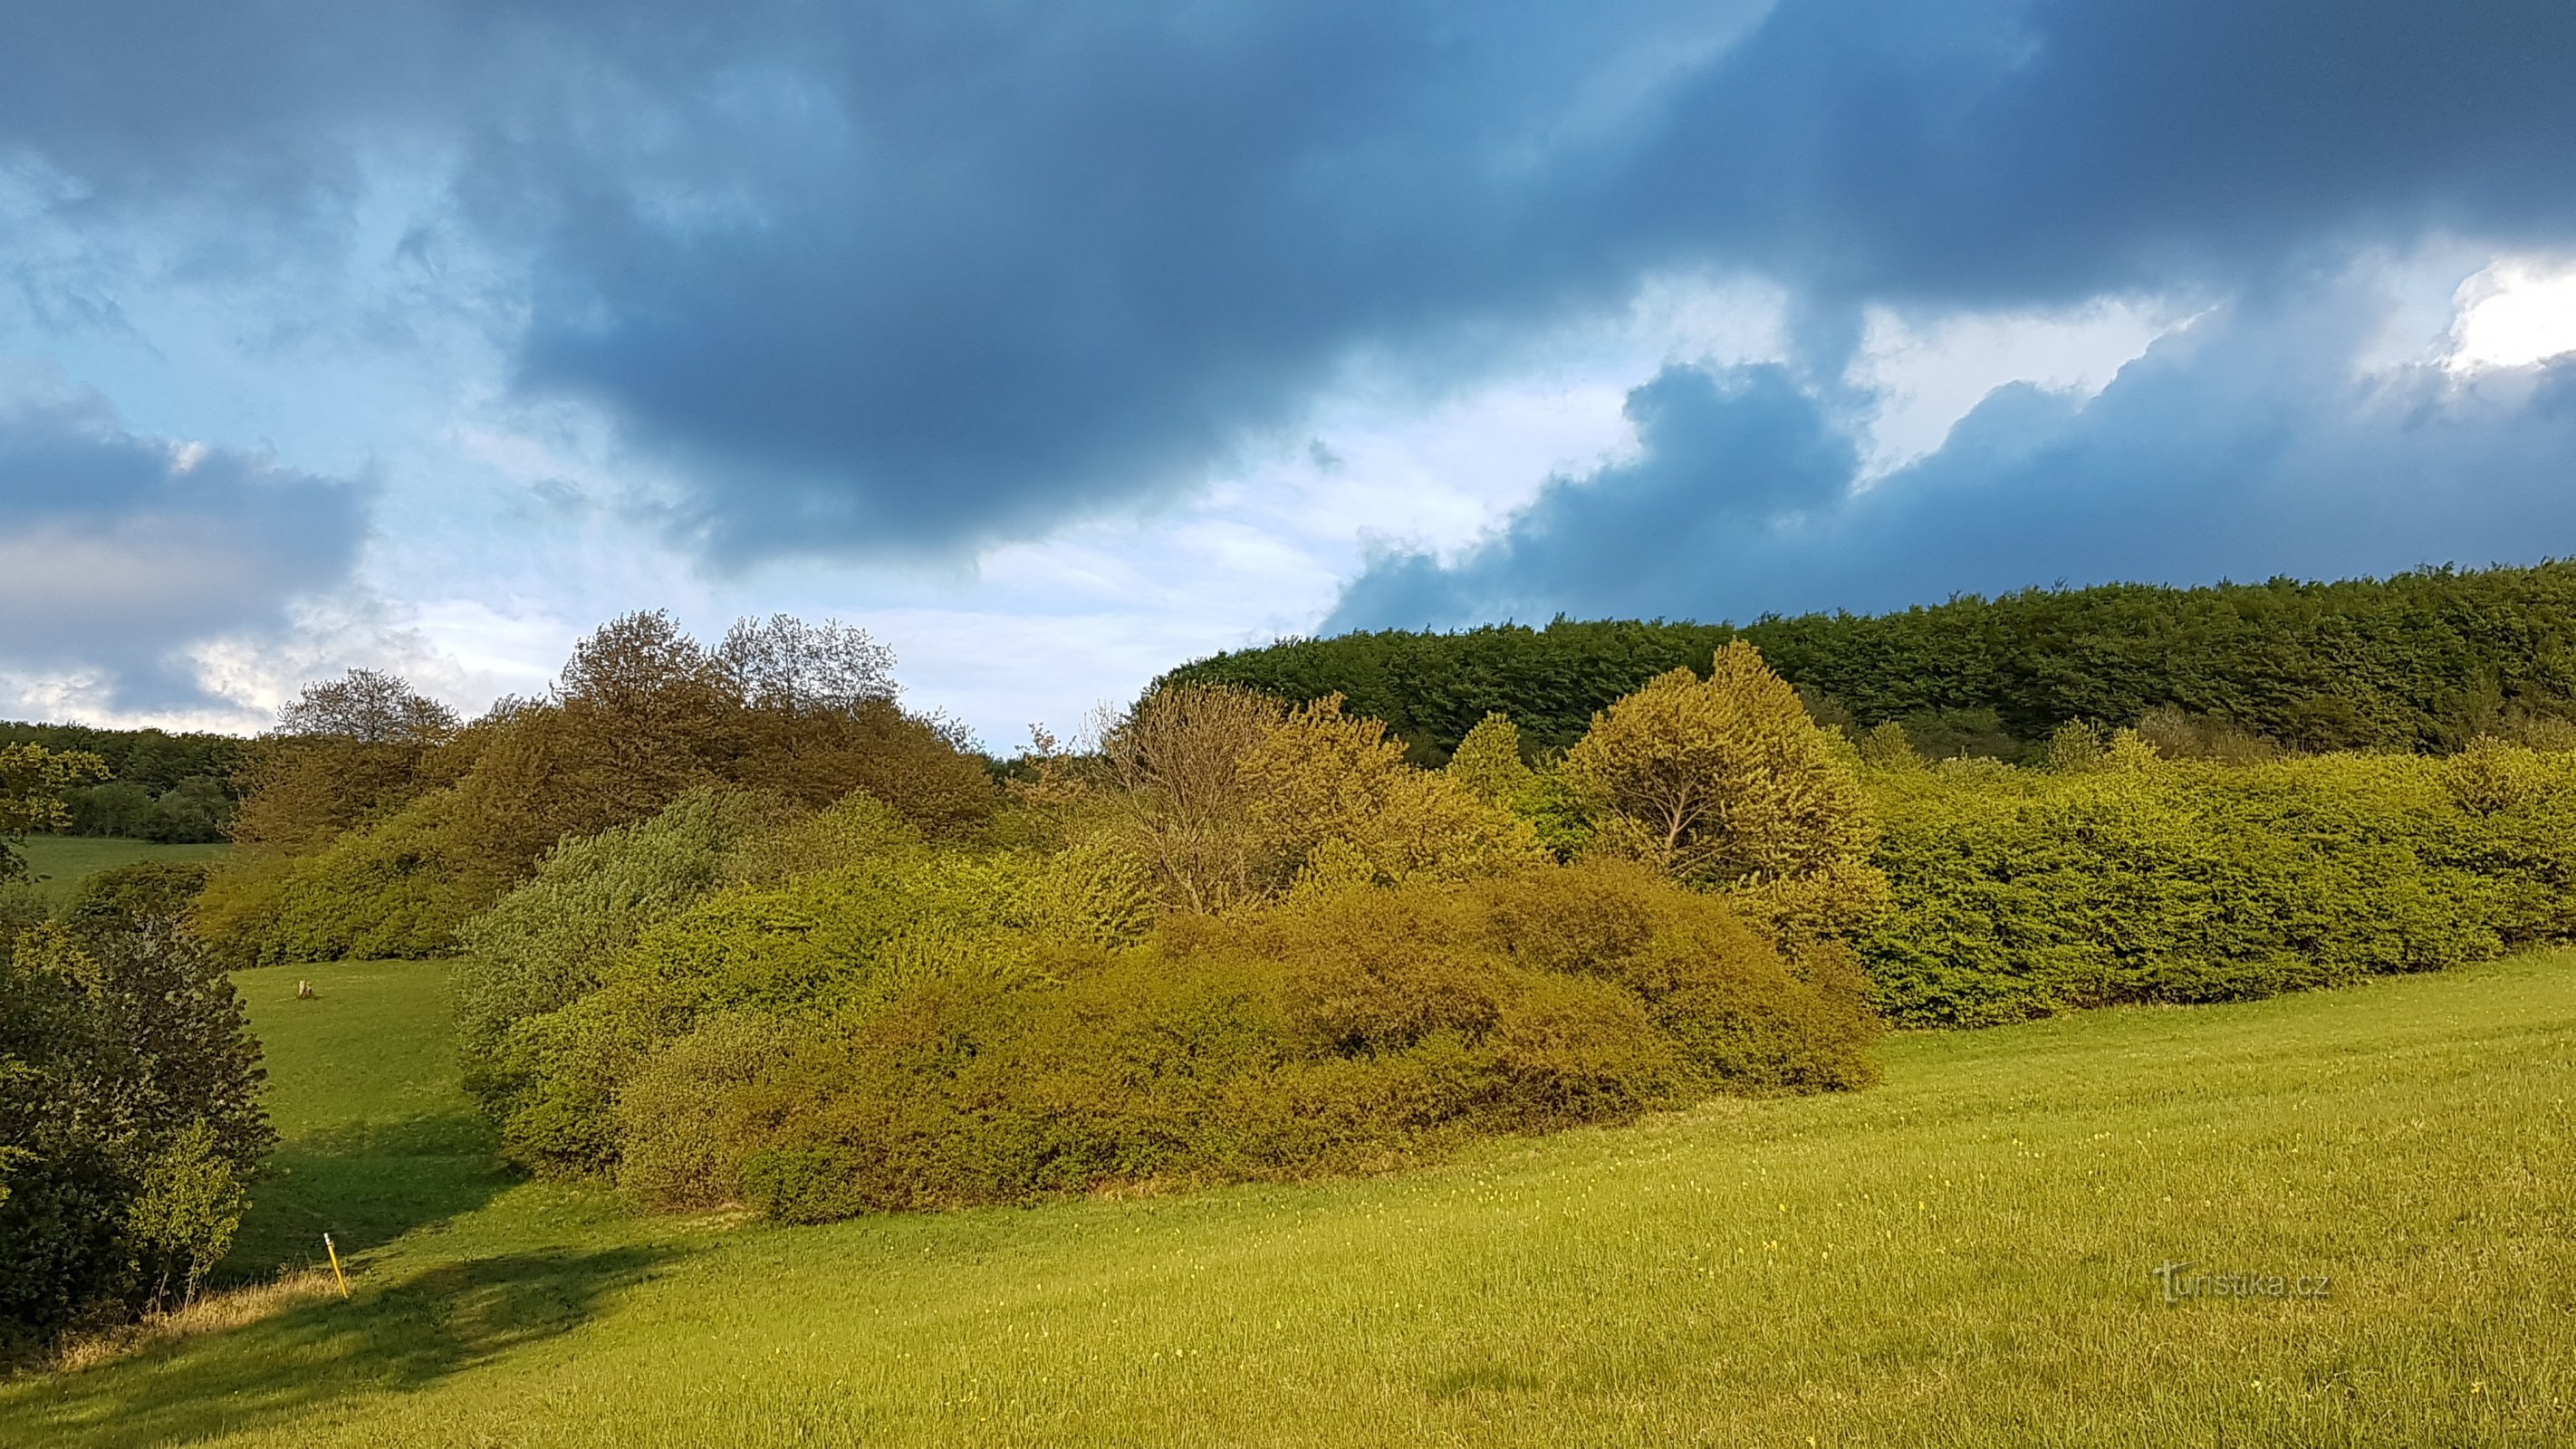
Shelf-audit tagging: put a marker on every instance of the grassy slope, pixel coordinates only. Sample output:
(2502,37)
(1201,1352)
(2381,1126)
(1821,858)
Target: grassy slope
(1959,1257)
(59,861)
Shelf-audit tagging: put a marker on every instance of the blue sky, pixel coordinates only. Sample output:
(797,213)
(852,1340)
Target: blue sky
(1056,344)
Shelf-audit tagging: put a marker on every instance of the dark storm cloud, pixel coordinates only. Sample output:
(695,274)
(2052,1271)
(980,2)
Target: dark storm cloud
(117,550)
(2246,446)
(879,278)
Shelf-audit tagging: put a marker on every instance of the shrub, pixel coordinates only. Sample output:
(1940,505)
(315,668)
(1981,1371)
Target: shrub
(2019,893)
(929,1028)
(1722,780)
(543,945)
(143,893)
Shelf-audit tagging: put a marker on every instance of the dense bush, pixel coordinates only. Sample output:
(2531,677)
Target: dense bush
(129,1121)
(2023,892)
(2419,661)
(946,1030)
(143,894)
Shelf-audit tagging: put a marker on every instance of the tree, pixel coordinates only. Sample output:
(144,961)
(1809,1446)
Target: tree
(1725,780)
(1488,762)
(1333,799)
(186,1213)
(126,1067)
(345,752)
(783,662)
(368,707)
(1173,765)
(32,782)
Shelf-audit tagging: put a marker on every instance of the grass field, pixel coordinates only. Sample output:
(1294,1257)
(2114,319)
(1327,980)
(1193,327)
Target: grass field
(59,861)
(1960,1257)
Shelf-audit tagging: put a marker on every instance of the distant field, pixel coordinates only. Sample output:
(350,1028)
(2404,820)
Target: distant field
(59,861)
(1960,1257)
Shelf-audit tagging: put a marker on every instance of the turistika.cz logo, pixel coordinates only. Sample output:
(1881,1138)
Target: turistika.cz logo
(2180,1283)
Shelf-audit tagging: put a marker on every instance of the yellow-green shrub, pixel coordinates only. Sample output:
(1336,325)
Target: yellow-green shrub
(944,1029)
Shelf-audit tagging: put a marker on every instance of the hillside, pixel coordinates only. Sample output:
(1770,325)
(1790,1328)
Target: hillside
(1962,1256)
(2417,661)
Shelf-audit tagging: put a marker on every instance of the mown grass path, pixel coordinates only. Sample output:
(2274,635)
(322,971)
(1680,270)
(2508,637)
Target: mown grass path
(1962,1256)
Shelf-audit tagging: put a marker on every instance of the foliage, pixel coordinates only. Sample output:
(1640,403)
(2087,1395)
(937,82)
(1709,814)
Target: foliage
(188,1207)
(542,946)
(379,830)
(1228,799)
(140,895)
(2019,893)
(156,760)
(1488,763)
(159,786)
(923,1026)
(2418,661)
(1721,780)
(32,781)
(1172,768)
(198,810)
(345,753)
(126,1073)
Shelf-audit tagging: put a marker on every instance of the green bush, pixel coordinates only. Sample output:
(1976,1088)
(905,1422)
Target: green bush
(542,946)
(399,889)
(2021,893)
(129,1118)
(142,893)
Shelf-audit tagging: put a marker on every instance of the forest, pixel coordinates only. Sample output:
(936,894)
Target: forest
(2424,661)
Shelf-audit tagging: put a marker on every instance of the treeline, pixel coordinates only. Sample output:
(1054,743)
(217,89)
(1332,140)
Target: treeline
(159,786)
(2424,661)
(376,821)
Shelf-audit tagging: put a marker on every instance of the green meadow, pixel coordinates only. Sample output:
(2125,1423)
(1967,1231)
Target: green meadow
(58,862)
(1963,1255)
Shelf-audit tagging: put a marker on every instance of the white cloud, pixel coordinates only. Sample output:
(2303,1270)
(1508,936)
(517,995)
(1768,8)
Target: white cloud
(1927,373)
(2516,312)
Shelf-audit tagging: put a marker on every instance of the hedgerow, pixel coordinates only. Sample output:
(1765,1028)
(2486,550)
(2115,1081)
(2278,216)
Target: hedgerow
(2022,892)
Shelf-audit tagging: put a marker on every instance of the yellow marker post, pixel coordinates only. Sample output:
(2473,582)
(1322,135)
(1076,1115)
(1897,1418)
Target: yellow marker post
(335,1264)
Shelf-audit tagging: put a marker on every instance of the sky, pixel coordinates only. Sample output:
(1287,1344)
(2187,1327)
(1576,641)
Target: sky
(1056,345)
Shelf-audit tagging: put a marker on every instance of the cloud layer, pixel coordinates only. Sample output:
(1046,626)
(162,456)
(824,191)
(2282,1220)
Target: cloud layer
(870,280)
(118,551)
(2248,445)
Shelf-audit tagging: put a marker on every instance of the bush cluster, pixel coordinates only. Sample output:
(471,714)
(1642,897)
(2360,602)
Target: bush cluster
(931,1028)
(1239,940)
(2126,877)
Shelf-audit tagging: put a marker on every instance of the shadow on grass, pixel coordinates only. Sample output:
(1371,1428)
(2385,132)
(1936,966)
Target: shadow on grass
(393,1338)
(365,1184)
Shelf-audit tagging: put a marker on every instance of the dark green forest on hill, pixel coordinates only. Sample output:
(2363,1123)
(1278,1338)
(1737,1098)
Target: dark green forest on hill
(2423,661)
